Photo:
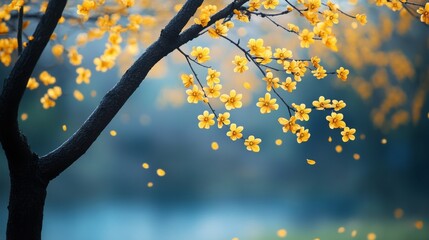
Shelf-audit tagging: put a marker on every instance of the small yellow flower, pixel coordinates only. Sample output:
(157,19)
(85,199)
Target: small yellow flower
(233,100)
(201,54)
(289,125)
(301,112)
(256,46)
(254,5)
(336,120)
(242,17)
(194,95)
(315,61)
(103,63)
(83,75)
(424,13)
(218,30)
(281,54)
(240,64)
(188,80)
(302,135)
(306,38)
(206,120)
(47,78)
(235,132)
(212,76)
(361,18)
(272,82)
(203,19)
(252,143)
(338,105)
(74,57)
(395,5)
(57,50)
(270,4)
(331,18)
(55,92)
(47,102)
(342,73)
(288,85)
(266,104)
(319,73)
(213,90)
(32,83)
(322,103)
(348,134)
(223,119)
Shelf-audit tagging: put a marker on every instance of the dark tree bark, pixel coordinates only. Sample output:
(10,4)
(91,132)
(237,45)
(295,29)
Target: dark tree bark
(29,174)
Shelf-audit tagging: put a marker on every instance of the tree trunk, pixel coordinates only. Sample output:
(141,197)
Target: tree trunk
(26,202)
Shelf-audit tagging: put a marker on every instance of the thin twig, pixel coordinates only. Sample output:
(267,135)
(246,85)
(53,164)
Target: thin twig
(20,23)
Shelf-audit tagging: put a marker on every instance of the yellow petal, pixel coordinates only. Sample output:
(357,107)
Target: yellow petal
(311,162)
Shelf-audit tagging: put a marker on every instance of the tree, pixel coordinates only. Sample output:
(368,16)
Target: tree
(31,174)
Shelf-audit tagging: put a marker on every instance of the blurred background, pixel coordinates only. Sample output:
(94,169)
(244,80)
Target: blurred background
(377,184)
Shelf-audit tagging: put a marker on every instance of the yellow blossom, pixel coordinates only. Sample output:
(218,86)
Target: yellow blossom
(338,105)
(103,63)
(47,102)
(313,5)
(315,61)
(270,4)
(223,119)
(395,5)
(266,104)
(74,57)
(254,5)
(424,13)
(319,73)
(47,78)
(201,54)
(233,100)
(289,125)
(83,75)
(272,82)
(241,16)
(57,50)
(361,18)
(203,19)
(288,85)
(84,8)
(348,134)
(322,103)
(342,73)
(194,94)
(54,92)
(331,18)
(213,90)
(235,132)
(256,46)
(218,30)
(212,76)
(336,120)
(301,112)
(302,135)
(206,120)
(240,64)
(282,54)
(32,83)
(252,143)
(188,80)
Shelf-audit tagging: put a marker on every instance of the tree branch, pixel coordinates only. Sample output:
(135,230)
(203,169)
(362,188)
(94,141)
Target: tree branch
(12,140)
(72,149)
